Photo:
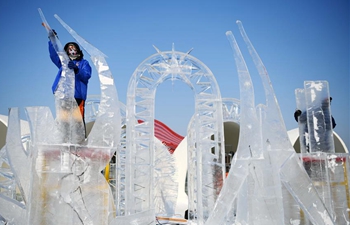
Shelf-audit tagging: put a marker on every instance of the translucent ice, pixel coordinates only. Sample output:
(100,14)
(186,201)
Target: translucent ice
(269,157)
(246,148)
(13,211)
(66,185)
(277,143)
(18,158)
(302,121)
(68,117)
(108,118)
(319,116)
(208,152)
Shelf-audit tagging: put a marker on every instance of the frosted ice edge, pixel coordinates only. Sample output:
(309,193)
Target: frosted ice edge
(17,157)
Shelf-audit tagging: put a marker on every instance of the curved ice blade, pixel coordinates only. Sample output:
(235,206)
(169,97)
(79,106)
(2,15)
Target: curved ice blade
(249,143)
(277,134)
(82,42)
(280,148)
(57,44)
(108,118)
(41,124)
(249,122)
(18,159)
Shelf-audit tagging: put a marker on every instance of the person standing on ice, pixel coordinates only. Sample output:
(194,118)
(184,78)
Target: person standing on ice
(79,65)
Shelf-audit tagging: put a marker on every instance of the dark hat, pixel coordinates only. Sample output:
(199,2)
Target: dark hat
(72,43)
(80,52)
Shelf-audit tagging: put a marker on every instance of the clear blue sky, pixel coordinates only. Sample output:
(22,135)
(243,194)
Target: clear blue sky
(297,41)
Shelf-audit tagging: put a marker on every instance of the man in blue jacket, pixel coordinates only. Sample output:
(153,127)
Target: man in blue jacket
(81,67)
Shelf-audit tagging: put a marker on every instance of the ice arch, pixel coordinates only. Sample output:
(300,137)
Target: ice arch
(205,145)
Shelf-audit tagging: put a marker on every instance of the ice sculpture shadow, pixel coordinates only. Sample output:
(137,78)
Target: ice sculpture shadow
(264,160)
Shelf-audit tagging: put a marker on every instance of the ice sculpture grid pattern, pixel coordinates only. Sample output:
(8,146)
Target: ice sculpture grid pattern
(208,126)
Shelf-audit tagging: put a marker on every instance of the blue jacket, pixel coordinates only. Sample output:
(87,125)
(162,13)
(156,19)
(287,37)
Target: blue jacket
(81,78)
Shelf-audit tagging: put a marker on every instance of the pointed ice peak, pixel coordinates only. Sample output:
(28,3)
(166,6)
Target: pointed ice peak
(54,40)
(160,52)
(185,55)
(91,50)
(189,51)
(156,49)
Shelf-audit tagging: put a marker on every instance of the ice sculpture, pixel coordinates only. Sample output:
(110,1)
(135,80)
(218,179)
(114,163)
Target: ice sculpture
(69,120)
(315,128)
(302,123)
(108,119)
(106,79)
(315,123)
(7,179)
(166,178)
(266,185)
(231,110)
(264,160)
(328,170)
(140,144)
(12,210)
(66,185)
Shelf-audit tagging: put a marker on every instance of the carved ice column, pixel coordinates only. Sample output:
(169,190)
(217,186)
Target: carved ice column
(316,138)
(319,116)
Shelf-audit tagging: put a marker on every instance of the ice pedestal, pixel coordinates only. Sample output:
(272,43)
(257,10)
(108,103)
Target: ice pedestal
(67,186)
(330,176)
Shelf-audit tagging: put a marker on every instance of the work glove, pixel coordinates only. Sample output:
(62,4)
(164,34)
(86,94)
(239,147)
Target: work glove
(72,66)
(52,33)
